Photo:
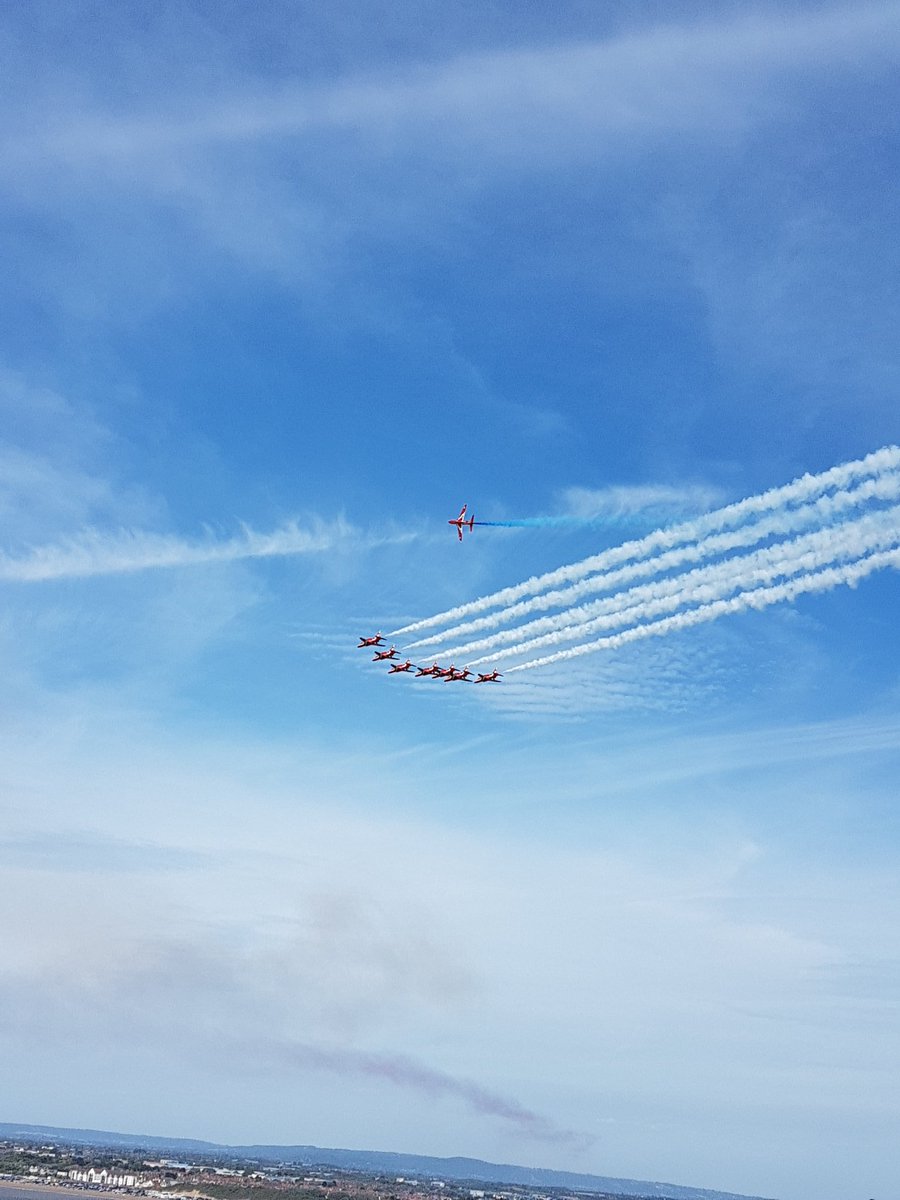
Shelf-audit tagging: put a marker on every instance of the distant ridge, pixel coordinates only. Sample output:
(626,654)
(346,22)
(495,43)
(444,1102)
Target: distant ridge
(373,1161)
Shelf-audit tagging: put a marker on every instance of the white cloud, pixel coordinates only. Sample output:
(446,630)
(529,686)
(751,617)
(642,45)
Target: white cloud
(36,492)
(656,501)
(663,678)
(56,466)
(665,79)
(248,167)
(96,552)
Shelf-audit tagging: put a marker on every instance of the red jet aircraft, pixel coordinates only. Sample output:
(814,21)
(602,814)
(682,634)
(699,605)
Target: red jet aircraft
(381,655)
(454,676)
(370,641)
(461,523)
(398,667)
(433,671)
(491,677)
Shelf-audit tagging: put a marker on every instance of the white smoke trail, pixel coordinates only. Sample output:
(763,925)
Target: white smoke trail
(820,511)
(805,488)
(799,557)
(803,555)
(758,598)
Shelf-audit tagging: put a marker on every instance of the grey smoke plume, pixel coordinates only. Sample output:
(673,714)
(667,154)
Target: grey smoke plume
(404,1071)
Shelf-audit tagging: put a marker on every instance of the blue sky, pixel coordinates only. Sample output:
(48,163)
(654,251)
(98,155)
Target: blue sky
(283,287)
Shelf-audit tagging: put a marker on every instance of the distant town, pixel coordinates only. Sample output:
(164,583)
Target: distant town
(74,1167)
(48,1163)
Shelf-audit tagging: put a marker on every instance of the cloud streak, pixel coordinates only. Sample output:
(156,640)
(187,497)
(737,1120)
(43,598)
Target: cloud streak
(623,501)
(663,80)
(93,552)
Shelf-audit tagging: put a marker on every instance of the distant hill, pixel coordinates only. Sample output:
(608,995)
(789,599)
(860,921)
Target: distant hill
(373,1161)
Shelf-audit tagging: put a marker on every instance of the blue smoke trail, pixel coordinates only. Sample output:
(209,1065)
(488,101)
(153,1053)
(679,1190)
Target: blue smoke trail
(539,522)
(643,517)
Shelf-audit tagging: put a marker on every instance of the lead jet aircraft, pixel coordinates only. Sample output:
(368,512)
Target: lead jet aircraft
(370,641)
(491,677)
(381,655)
(461,523)
(398,667)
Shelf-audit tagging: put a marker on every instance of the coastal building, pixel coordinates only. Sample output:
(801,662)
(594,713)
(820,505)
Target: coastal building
(102,1177)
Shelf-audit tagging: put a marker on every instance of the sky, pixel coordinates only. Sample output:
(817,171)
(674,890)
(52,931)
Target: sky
(286,284)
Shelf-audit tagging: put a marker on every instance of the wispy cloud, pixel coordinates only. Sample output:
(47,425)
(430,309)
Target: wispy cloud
(91,852)
(663,79)
(661,677)
(653,501)
(57,472)
(94,552)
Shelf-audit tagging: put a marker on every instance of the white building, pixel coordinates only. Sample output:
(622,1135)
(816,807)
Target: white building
(101,1177)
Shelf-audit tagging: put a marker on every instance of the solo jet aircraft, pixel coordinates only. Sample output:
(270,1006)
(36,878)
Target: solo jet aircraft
(461,523)
(491,677)
(398,667)
(370,641)
(381,655)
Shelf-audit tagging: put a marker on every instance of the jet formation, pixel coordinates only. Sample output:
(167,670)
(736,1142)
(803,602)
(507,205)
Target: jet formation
(451,674)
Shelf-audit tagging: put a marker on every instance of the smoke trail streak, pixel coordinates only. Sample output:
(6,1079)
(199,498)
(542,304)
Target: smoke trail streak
(805,488)
(758,598)
(885,487)
(403,1071)
(544,522)
(802,554)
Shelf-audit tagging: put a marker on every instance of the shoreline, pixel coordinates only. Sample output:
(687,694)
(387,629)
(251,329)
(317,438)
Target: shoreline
(63,1189)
